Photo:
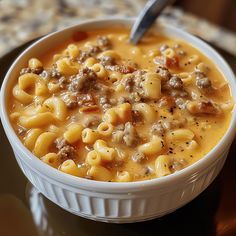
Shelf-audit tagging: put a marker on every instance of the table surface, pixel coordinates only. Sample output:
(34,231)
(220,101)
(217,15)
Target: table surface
(22,20)
(24,211)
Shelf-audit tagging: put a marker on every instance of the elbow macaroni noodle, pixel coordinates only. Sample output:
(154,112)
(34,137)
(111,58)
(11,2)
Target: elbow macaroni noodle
(73,133)
(105,129)
(153,147)
(107,153)
(93,158)
(65,67)
(99,70)
(152,86)
(105,110)
(43,143)
(89,136)
(69,167)
(162,166)
(51,159)
(37,120)
(57,107)
(147,111)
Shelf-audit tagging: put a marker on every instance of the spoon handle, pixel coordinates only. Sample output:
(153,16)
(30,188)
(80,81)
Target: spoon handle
(146,18)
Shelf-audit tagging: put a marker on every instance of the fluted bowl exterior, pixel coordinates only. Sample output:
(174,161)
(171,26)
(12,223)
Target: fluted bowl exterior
(123,207)
(118,202)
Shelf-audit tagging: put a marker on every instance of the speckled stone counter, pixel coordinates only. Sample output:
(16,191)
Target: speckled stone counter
(22,20)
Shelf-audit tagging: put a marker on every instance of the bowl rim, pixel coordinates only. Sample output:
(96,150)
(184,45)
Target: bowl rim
(186,174)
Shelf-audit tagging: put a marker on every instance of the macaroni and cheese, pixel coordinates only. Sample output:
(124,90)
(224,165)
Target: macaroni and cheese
(100,108)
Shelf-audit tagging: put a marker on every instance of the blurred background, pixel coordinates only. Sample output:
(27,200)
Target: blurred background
(22,20)
(221,12)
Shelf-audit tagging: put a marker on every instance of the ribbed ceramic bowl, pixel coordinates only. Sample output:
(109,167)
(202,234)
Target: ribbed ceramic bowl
(117,202)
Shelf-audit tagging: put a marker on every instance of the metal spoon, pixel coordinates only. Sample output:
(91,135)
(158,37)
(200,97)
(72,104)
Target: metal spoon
(146,18)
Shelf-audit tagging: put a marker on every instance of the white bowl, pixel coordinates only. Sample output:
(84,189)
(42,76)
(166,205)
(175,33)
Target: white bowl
(117,202)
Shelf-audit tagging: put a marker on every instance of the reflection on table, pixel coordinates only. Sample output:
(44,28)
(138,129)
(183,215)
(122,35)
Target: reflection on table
(197,218)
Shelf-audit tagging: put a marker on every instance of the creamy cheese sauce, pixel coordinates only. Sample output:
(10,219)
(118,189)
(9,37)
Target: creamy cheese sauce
(165,103)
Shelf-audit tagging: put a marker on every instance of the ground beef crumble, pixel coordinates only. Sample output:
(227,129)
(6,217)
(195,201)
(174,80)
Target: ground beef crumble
(83,55)
(129,83)
(138,157)
(166,101)
(30,70)
(123,69)
(178,93)
(208,108)
(86,100)
(175,82)
(163,47)
(70,99)
(104,102)
(91,52)
(133,85)
(137,117)
(51,73)
(107,61)
(104,42)
(163,72)
(131,137)
(180,102)
(157,128)
(83,81)
(203,83)
(92,122)
(170,62)
(65,150)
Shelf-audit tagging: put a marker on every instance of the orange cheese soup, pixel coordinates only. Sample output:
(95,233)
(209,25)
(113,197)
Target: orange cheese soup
(100,108)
